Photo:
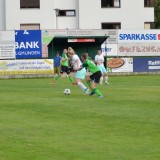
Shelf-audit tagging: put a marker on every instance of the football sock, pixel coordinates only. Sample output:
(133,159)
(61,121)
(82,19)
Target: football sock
(101,80)
(97,92)
(81,86)
(89,84)
(71,79)
(56,77)
(106,79)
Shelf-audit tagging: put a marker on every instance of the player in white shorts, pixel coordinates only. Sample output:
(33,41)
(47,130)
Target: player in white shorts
(80,74)
(99,60)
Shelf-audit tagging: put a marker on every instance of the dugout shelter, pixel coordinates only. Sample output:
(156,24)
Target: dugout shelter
(80,44)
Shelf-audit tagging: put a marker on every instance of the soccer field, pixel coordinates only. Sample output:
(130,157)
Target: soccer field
(39,122)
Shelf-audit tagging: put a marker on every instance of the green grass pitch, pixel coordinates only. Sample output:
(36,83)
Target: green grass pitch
(39,122)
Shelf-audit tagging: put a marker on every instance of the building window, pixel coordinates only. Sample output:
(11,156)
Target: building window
(111,25)
(149,25)
(66,13)
(29,26)
(29,3)
(110,3)
(148,3)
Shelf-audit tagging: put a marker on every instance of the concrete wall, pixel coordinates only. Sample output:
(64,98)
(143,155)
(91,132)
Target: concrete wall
(131,14)
(2,15)
(89,15)
(45,16)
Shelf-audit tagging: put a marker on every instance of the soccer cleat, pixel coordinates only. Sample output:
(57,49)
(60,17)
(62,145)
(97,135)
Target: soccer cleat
(106,83)
(92,93)
(100,97)
(86,91)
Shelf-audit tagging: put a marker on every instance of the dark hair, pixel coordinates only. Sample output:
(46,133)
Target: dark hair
(57,54)
(84,55)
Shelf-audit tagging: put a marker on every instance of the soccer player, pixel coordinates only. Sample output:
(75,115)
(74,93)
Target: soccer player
(80,74)
(64,67)
(99,60)
(93,79)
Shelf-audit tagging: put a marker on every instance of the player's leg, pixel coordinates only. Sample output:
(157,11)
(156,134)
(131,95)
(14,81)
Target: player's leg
(101,79)
(60,73)
(106,78)
(57,77)
(92,80)
(89,82)
(55,71)
(82,86)
(79,76)
(105,75)
(94,90)
(58,70)
(68,75)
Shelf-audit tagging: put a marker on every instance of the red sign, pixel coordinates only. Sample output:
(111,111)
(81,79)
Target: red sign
(82,40)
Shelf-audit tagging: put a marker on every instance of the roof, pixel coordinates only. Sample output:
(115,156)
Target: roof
(65,40)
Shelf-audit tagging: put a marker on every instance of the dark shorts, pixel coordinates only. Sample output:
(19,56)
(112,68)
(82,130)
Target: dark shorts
(95,77)
(65,69)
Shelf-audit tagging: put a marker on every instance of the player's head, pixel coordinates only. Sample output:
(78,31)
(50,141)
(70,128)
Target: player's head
(99,51)
(65,50)
(84,56)
(70,51)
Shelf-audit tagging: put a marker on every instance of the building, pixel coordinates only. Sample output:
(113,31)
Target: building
(2,15)
(76,14)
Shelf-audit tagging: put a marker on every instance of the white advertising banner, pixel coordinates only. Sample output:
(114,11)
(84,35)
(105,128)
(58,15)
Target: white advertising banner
(138,43)
(7,45)
(130,36)
(126,67)
(139,49)
(101,32)
(109,49)
(33,66)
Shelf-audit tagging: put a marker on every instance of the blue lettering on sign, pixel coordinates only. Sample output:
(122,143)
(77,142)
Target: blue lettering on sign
(137,36)
(106,49)
(28,44)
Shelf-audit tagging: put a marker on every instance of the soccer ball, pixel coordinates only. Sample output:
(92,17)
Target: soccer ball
(67,92)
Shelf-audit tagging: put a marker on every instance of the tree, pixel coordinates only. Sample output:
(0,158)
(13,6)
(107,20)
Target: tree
(157,14)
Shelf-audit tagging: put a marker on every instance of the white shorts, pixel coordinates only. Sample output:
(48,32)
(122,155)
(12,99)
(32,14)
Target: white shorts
(102,69)
(81,74)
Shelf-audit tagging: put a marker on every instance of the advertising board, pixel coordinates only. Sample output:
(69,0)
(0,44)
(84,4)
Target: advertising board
(32,66)
(28,44)
(7,45)
(126,67)
(146,64)
(138,43)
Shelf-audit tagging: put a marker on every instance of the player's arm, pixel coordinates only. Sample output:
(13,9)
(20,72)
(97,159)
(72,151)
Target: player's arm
(102,60)
(84,65)
(96,60)
(64,59)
